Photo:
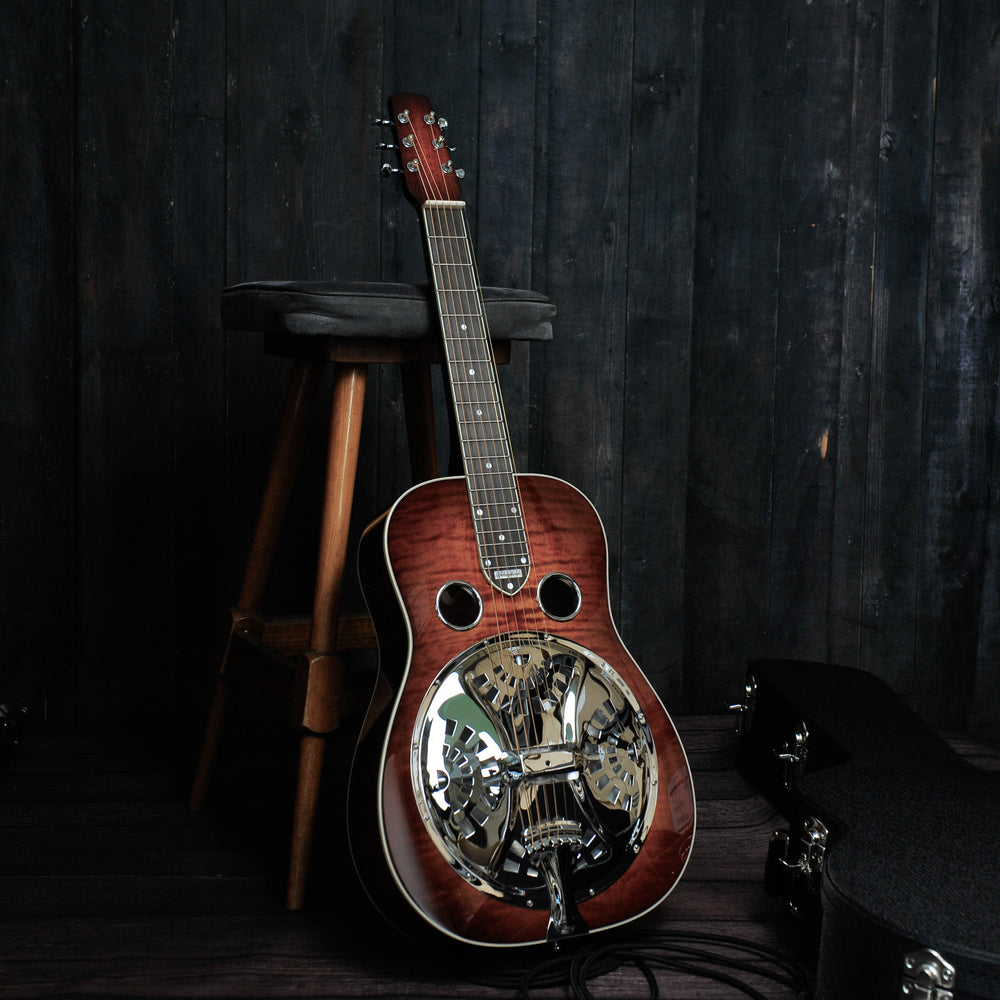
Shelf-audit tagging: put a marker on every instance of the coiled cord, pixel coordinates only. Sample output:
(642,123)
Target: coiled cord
(727,960)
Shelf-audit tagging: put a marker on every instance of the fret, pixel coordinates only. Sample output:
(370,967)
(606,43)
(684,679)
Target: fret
(487,445)
(483,455)
(465,265)
(466,371)
(479,411)
(495,511)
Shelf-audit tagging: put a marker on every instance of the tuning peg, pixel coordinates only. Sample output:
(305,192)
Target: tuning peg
(388,170)
(386,145)
(377,121)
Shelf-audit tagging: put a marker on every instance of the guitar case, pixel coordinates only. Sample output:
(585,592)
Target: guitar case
(893,845)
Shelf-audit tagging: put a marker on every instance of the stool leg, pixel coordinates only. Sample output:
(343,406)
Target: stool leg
(311,749)
(319,674)
(303,386)
(421,435)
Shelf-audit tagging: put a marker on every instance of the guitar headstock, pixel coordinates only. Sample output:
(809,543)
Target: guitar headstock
(425,159)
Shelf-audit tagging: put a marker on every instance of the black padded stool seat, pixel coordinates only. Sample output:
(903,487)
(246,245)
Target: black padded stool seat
(345,326)
(373,309)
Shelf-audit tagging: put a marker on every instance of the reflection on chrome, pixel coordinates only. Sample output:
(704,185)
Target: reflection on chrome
(534,771)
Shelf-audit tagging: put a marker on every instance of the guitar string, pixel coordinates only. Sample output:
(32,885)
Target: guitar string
(545,794)
(535,686)
(435,189)
(474,400)
(540,800)
(465,407)
(483,398)
(446,273)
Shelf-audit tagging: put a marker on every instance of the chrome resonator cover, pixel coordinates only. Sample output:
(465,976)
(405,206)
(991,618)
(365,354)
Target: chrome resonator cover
(534,771)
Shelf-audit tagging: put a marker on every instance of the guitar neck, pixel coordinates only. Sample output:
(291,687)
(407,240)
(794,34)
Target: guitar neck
(482,426)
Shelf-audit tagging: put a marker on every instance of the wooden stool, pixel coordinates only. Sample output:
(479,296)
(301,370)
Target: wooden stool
(351,325)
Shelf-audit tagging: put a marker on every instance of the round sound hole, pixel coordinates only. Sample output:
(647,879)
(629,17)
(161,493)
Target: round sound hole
(559,596)
(459,605)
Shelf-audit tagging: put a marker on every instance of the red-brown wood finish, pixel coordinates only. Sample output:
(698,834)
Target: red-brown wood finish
(427,540)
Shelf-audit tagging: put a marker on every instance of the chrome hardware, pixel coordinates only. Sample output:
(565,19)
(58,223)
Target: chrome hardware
(387,169)
(793,755)
(534,771)
(429,118)
(386,145)
(927,976)
(564,918)
(379,122)
(744,710)
(442,123)
(797,878)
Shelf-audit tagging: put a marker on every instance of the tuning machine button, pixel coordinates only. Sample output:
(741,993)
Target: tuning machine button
(377,121)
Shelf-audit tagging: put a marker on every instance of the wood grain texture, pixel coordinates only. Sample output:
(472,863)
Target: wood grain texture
(770,231)
(847,632)
(38,377)
(125,439)
(729,523)
(896,342)
(427,540)
(815,181)
(666,96)
(586,233)
(956,659)
(110,887)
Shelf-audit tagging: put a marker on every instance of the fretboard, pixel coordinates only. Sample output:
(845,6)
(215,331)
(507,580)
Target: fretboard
(482,426)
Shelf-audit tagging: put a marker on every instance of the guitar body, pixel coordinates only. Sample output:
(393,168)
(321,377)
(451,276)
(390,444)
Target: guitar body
(548,799)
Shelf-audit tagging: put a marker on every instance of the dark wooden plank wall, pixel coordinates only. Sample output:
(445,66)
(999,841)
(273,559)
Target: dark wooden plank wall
(771,230)
(38,411)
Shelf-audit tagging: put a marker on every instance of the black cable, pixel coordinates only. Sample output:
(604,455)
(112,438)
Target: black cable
(720,958)
(794,977)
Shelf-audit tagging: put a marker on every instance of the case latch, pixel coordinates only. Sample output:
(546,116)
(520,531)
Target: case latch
(793,755)
(797,876)
(927,976)
(744,710)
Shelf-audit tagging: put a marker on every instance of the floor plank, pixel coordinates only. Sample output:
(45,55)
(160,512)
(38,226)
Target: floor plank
(110,887)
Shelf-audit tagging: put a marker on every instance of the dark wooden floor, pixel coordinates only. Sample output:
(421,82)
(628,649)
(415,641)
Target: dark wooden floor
(110,887)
